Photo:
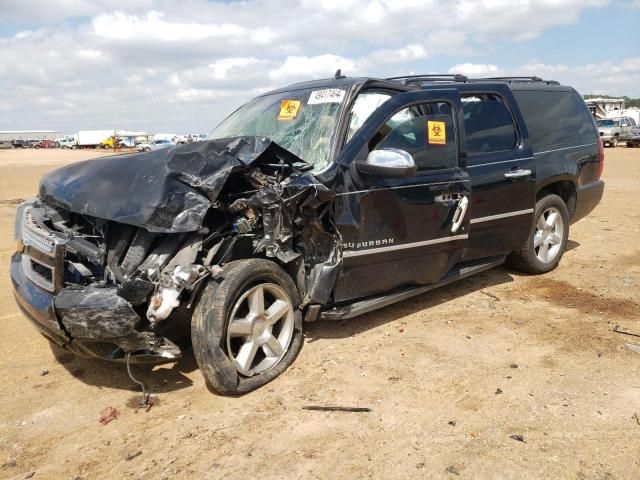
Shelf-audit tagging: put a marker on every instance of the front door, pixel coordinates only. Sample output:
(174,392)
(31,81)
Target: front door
(399,232)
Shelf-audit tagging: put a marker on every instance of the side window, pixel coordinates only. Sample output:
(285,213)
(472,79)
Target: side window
(365,104)
(488,124)
(555,117)
(425,131)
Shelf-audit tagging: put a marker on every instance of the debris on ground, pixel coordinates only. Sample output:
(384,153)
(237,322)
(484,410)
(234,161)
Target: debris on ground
(452,469)
(634,347)
(498,391)
(616,329)
(9,464)
(131,455)
(44,372)
(518,438)
(452,423)
(142,403)
(30,475)
(513,365)
(336,409)
(636,417)
(108,414)
(491,295)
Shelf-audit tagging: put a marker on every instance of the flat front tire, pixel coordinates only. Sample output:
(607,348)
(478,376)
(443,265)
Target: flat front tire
(547,239)
(246,328)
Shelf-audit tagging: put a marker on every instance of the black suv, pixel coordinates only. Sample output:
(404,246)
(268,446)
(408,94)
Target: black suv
(325,199)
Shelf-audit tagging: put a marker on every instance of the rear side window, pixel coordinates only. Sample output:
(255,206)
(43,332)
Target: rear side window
(555,117)
(488,124)
(425,131)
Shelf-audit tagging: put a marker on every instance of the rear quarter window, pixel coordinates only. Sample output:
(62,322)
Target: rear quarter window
(555,117)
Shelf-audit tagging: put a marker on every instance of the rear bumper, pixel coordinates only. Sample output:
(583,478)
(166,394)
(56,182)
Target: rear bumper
(89,321)
(588,196)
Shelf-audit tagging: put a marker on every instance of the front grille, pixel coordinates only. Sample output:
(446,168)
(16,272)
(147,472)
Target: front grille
(43,255)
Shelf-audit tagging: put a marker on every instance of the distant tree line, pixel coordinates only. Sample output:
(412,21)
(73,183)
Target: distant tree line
(629,102)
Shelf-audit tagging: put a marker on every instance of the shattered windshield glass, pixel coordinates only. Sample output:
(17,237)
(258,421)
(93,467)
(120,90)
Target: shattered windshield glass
(302,121)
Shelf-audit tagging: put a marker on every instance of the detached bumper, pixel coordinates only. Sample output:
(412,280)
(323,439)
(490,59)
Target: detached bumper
(89,321)
(588,196)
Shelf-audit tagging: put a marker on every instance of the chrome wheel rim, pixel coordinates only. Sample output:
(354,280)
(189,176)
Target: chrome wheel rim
(260,329)
(547,241)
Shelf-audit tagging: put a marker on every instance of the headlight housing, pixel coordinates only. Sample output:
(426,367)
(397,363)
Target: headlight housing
(20,215)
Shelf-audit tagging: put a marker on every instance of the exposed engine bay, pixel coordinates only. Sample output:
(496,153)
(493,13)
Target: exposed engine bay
(135,237)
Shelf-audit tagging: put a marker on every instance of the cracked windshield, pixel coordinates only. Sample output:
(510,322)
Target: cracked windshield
(302,121)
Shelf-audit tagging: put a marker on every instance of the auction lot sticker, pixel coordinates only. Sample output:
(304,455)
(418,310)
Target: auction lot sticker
(328,95)
(289,109)
(436,132)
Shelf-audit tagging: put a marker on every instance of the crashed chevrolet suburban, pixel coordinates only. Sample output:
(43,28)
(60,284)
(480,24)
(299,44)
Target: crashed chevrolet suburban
(321,200)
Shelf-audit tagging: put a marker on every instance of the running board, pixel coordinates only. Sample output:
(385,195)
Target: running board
(365,306)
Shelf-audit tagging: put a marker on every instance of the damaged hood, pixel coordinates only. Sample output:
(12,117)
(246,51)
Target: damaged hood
(168,190)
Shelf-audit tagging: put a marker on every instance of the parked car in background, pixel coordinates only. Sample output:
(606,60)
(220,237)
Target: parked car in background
(30,143)
(634,137)
(154,145)
(19,144)
(614,130)
(5,145)
(46,144)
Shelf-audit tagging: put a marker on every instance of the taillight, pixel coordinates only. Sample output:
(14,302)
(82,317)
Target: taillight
(600,157)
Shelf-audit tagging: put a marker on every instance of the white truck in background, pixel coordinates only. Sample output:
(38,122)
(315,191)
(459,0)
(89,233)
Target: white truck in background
(631,112)
(86,139)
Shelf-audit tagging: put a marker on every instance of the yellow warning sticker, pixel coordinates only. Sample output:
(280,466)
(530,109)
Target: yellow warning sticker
(289,109)
(436,133)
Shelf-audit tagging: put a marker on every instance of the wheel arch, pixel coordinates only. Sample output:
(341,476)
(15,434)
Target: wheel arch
(565,188)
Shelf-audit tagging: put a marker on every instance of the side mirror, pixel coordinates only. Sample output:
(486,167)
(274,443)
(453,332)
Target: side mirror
(387,163)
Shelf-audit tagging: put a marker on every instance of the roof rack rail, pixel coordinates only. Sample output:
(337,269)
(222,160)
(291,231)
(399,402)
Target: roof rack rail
(430,78)
(519,79)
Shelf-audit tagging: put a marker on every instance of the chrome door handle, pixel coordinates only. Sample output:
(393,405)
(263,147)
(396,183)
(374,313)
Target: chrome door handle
(459,214)
(518,173)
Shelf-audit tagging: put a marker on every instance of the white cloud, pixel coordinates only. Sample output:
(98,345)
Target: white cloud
(603,77)
(157,64)
(476,70)
(320,66)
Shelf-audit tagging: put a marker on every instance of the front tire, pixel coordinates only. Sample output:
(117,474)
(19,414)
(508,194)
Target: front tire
(547,240)
(614,142)
(246,328)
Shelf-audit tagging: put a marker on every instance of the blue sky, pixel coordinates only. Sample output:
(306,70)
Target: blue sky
(182,66)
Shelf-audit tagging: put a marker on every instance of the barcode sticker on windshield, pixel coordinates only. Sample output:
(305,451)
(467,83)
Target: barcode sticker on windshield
(328,95)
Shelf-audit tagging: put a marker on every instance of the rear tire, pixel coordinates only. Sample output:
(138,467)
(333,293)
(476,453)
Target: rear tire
(547,239)
(270,346)
(614,142)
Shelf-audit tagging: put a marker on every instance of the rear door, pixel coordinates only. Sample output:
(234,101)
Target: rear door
(502,171)
(408,231)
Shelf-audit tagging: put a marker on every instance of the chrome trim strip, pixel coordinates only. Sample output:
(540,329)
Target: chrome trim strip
(496,163)
(501,215)
(372,251)
(397,187)
(565,148)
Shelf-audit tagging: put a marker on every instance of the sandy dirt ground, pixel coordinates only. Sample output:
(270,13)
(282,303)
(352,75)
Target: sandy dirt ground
(451,377)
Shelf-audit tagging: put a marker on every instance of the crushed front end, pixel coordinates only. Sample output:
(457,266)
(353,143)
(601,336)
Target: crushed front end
(114,252)
(66,287)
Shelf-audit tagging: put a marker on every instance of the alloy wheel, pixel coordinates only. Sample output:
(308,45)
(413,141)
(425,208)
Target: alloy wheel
(260,329)
(547,241)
